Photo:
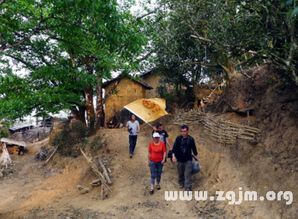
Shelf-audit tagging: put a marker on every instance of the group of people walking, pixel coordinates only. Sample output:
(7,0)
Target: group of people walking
(182,152)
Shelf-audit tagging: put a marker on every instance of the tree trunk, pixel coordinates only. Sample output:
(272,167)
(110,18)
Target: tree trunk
(79,113)
(229,68)
(90,109)
(100,117)
(293,48)
(195,94)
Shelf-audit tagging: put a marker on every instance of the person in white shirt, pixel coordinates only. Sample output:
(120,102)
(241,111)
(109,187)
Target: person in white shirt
(133,128)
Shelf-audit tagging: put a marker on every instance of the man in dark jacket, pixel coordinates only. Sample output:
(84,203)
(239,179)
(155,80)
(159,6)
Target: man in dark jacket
(183,150)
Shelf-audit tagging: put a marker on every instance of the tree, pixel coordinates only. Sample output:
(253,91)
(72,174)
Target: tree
(182,58)
(67,48)
(196,39)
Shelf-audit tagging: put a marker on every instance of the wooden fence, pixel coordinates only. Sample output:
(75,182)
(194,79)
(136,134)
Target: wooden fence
(222,131)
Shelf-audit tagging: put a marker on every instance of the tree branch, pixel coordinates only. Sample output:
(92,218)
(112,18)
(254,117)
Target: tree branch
(27,64)
(145,56)
(149,13)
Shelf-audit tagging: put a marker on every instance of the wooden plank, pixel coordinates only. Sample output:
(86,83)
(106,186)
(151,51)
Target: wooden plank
(52,155)
(105,172)
(96,171)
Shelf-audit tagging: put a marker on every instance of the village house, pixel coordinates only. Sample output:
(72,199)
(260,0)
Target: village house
(152,78)
(125,89)
(120,91)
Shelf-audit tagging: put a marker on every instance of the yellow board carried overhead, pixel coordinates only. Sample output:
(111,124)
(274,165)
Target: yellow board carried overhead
(148,109)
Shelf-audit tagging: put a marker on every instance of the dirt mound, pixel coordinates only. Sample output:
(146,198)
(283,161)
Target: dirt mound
(274,106)
(273,163)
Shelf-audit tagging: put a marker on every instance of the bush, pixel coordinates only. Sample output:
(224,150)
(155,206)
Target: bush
(69,138)
(176,98)
(78,131)
(4,132)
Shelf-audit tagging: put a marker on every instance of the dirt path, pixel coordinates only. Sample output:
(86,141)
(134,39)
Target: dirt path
(34,191)
(130,197)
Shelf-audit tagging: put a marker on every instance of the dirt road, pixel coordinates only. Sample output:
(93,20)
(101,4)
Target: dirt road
(34,191)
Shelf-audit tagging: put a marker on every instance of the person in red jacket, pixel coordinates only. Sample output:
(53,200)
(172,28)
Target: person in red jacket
(157,156)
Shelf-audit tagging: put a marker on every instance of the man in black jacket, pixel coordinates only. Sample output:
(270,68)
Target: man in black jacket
(183,150)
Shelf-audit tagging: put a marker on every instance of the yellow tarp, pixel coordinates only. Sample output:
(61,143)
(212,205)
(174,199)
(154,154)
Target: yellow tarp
(148,109)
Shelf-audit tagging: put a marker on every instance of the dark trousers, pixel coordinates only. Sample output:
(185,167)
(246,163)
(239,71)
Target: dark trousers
(156,171)
(184,174)
(132,143)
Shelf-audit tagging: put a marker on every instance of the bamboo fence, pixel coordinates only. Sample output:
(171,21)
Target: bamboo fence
(222,131)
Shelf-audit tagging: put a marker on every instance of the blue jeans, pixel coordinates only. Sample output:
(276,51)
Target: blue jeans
(132,143)
(155,170)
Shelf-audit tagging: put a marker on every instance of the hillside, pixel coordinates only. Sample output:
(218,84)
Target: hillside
(33,190)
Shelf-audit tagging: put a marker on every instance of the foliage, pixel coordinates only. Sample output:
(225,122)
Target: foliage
(69,138)
(178,98)
(199,39)
(66,47)
(4,132)
(62,50)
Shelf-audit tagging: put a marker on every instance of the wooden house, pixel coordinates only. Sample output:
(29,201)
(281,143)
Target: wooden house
(120,91)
